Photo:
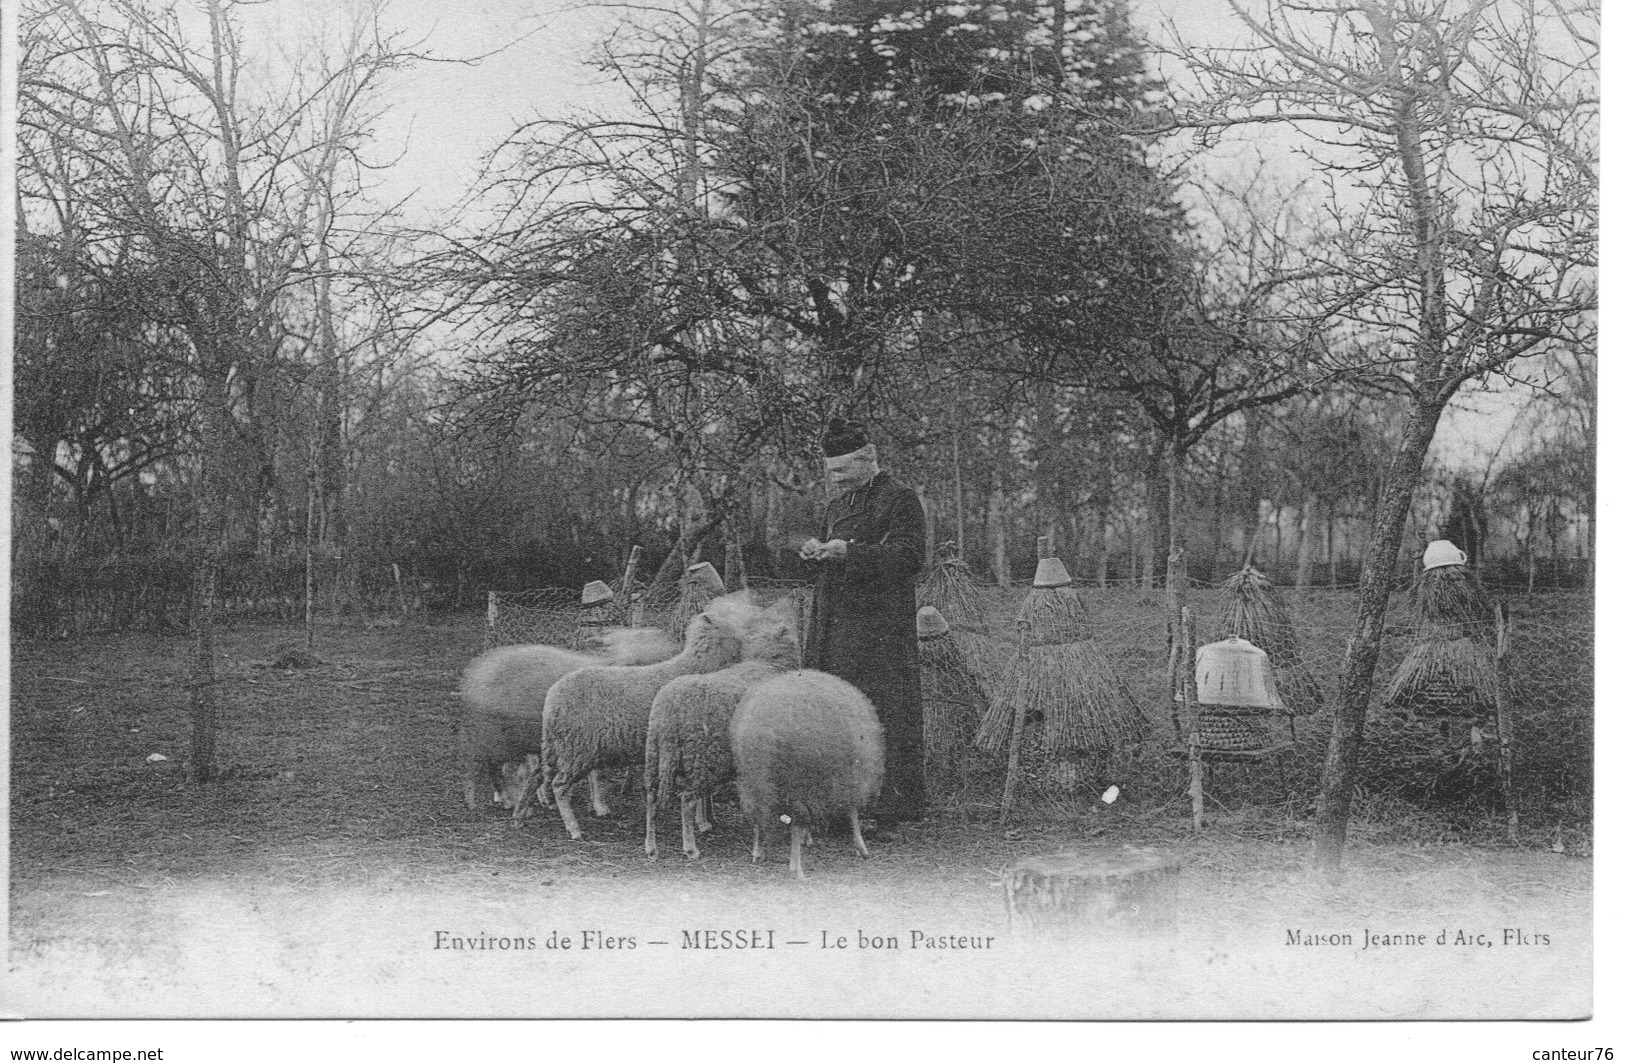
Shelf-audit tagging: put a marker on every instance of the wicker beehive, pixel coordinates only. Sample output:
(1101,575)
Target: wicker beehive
(1254,609)
(948,587)
(1227,733)
(1233,677)
(1060,678)
(1444,678)
(701,584)
(595,615)
(1450,670)
(952,700)
(704,576)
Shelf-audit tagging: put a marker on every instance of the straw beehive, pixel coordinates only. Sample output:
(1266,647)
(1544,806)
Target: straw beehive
(1450,671)
(1444,677)
(1228,734)
(701,584)
(1450,602)
(953,701)
(948,587)
(1059,678)
(1254,610)
(597,605)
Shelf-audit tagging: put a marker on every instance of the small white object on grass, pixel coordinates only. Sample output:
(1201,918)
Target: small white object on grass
(784,819)
(1110,795)
(153,758)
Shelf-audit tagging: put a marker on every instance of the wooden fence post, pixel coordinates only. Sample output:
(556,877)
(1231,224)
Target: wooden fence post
(627,579)
(1187,682)
(1503,724)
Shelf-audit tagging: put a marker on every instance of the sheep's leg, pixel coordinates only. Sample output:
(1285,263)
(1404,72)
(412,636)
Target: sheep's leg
(530,772)
(756,843)
(702,815)
(530,795)
(649,823)
(537,786)
(857,836)
(690,805)
(600,807)
(541,783)
(561,794)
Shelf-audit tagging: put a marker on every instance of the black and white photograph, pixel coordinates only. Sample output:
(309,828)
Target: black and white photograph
(1030,510)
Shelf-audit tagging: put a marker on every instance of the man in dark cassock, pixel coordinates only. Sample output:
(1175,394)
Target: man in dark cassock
(863,607)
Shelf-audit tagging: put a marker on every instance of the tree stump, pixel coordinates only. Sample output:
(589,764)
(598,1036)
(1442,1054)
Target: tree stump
(1077,893)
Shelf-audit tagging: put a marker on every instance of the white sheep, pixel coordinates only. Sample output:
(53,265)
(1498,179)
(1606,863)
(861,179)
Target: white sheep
(807,746)
(598,718)
(503,694)
(688,749)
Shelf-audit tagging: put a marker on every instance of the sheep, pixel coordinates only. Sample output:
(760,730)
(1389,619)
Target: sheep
(599,717)
(807,745)
(687,750)
(503,692)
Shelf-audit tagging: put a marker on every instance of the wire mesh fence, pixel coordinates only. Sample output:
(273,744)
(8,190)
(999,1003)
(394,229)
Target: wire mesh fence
(1423,758)
(1548,672)
(555,615)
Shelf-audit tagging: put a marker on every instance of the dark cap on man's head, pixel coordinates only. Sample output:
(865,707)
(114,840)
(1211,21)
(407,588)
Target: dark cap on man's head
(843,437)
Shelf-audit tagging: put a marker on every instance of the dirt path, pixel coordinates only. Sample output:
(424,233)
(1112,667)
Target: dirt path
(332,868)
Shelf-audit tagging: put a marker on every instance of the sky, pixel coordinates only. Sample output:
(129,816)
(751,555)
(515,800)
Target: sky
(503,62)
(499,63)
(496,64)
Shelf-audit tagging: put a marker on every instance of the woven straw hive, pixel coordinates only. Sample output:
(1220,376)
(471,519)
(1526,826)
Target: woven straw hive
(701,584)
(1059,677)
(953,701)
(1450,670)
(1254,610)
(597,613)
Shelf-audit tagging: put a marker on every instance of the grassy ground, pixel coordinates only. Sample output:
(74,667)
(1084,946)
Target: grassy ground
(315,876)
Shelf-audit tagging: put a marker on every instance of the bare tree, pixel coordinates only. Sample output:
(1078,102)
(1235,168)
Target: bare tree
(1458,143)
(183,167)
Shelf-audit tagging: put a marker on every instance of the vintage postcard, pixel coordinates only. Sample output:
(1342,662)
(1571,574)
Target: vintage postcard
(816,509)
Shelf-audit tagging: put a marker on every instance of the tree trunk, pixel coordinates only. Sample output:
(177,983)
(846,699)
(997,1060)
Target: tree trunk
(311,522)
(1249,493)
(211,534)
(997,532)
(1306,539)
(1082,894)
(1174,477)
(1219,524)
(930,509)
(1102,508)
(1376,576)
(1156,490)
(959,498)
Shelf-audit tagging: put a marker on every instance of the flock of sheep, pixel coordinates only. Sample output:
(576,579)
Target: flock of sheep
(802,746)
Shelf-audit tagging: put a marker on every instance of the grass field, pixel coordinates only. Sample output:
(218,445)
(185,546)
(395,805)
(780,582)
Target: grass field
(313,876)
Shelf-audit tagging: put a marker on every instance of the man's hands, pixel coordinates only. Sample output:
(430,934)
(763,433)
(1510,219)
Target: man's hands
(813,550)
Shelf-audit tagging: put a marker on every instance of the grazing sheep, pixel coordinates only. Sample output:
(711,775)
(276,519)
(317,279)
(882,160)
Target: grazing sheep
(807,746)
(599,717)
(503,692)
(688,750)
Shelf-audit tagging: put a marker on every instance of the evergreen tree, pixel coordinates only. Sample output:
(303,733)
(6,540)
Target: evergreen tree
(958,162)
